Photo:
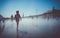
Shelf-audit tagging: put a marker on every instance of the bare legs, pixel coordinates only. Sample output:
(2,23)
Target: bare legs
(17,28)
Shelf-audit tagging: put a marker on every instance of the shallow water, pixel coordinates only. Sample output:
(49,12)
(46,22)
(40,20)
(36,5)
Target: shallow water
(32,28)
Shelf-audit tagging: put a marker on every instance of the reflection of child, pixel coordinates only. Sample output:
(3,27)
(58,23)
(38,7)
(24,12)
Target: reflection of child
(17,16)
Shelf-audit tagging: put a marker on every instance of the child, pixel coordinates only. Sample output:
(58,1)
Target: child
(17,17)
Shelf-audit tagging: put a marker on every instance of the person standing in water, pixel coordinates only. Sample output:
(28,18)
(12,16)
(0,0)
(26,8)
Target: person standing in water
(11,17)
(17,18)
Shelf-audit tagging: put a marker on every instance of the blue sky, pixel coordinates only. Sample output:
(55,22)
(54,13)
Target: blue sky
(27,7)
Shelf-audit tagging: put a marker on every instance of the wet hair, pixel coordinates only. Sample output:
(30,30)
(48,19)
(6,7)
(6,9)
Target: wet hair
(17,11)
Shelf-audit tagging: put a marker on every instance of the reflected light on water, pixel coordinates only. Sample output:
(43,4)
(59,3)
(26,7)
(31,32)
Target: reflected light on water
(33,27)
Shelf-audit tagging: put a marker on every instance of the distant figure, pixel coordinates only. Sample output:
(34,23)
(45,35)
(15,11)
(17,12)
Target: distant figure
(12,17)
(17,17)
(2,18)
(23,15)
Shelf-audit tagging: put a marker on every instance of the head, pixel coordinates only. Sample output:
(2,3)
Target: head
(17,12)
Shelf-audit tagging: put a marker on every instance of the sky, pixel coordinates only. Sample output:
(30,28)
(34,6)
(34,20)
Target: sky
(27,7)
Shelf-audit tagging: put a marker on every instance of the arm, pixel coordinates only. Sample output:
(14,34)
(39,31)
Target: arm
(15,17)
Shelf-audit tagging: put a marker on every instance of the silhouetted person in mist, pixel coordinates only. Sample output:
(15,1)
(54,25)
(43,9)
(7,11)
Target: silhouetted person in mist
(1,17)
(12,17)
(3,20)
(17,17)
